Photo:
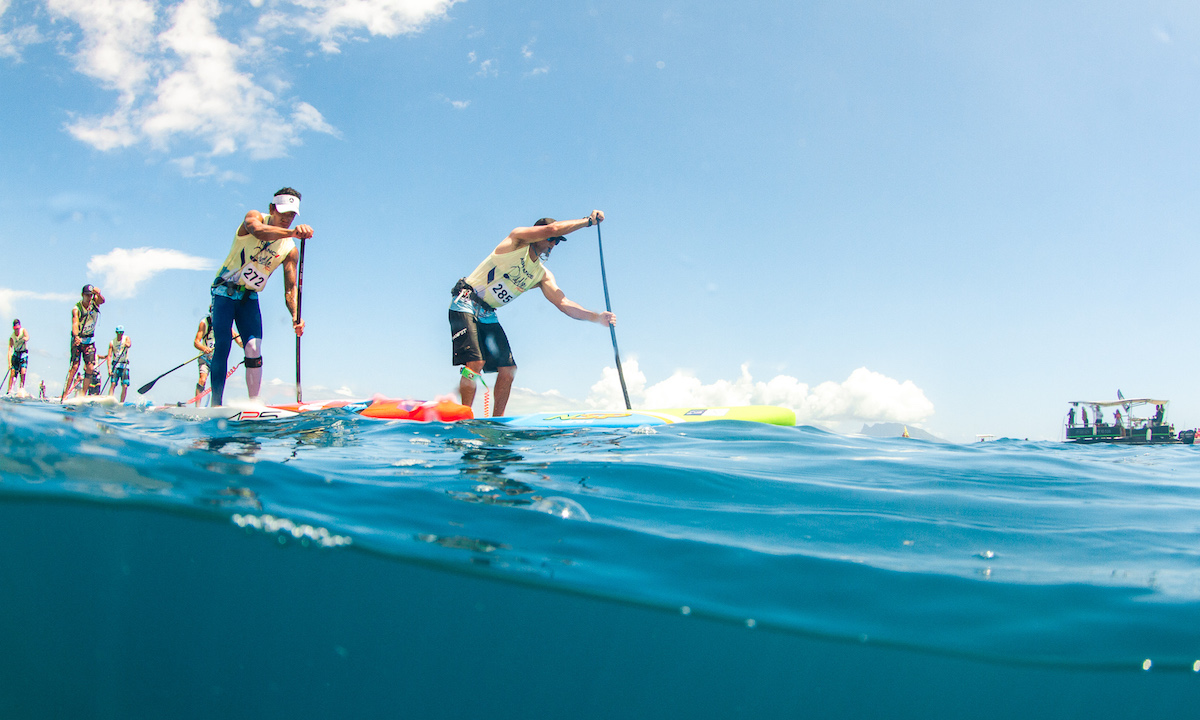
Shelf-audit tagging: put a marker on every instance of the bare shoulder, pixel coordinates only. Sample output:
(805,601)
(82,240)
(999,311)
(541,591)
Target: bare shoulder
(252,223)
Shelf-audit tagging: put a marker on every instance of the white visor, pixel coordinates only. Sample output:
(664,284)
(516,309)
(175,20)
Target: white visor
(286,204)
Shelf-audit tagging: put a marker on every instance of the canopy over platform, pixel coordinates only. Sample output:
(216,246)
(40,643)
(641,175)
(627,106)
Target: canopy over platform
(1119,403)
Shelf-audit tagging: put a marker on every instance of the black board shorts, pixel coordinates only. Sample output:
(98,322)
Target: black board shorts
(475,341)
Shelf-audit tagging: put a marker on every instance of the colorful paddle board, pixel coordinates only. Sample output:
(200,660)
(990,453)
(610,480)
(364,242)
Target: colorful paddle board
(636,418)
(377,407)
(446,411)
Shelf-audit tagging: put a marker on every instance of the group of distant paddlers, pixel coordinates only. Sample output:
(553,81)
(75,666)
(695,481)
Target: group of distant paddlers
(263,243)
(83,377)
(85,314)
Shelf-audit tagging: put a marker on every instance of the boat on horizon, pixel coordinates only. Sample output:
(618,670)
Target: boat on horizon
(1126,426)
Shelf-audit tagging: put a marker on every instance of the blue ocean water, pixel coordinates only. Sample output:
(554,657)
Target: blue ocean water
(334,565)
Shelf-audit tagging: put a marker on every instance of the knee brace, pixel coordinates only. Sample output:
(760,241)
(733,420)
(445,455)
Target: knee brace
(254,362)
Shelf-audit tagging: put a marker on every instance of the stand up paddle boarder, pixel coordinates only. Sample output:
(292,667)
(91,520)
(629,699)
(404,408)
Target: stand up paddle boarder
(84,316)
(117,358)
(18,354)
(514,267)
(263,242)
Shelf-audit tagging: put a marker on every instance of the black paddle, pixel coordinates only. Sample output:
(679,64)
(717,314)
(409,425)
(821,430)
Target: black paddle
(611,328)
(146,388)
(299,300)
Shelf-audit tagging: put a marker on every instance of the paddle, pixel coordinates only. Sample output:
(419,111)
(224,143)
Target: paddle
(5,380)
(611,328)
(299,300)
(146,388)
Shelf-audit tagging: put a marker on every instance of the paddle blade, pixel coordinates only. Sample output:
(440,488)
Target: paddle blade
(146,388)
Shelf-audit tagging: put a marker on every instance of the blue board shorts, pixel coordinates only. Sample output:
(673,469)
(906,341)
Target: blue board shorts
(120,375)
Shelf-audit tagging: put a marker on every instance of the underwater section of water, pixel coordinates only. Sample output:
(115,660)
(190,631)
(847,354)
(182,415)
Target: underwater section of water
(348,566)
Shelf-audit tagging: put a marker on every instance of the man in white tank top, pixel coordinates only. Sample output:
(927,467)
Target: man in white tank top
(514,267)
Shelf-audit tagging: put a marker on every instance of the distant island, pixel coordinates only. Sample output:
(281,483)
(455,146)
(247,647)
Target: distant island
(891,430)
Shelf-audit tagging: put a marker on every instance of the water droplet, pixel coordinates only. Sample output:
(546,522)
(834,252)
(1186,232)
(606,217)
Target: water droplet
(750,623)
(1146,664)
(1196,666)
(685,610)
(562,507)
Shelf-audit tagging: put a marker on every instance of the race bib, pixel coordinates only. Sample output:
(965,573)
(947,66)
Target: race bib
(501,292)
(254,276)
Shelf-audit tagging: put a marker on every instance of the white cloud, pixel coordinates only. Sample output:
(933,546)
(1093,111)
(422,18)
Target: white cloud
(487,68)
(865,396)
(527,49)
(538,71)
(123,270)
(200,167)
(13,41)
(330,22)
(179,80)
(459,104)
(205,95)
(9,298)
(118,35)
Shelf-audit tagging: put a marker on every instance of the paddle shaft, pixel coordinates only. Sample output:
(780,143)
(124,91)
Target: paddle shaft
(146,388)
(611,328)
(299,300)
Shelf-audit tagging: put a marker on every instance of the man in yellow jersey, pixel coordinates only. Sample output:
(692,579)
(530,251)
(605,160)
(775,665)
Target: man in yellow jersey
(84,316)
(263,242)
(515,266)
(117,359)
(18,355)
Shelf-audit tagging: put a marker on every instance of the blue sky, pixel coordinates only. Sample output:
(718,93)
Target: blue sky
(954,215)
